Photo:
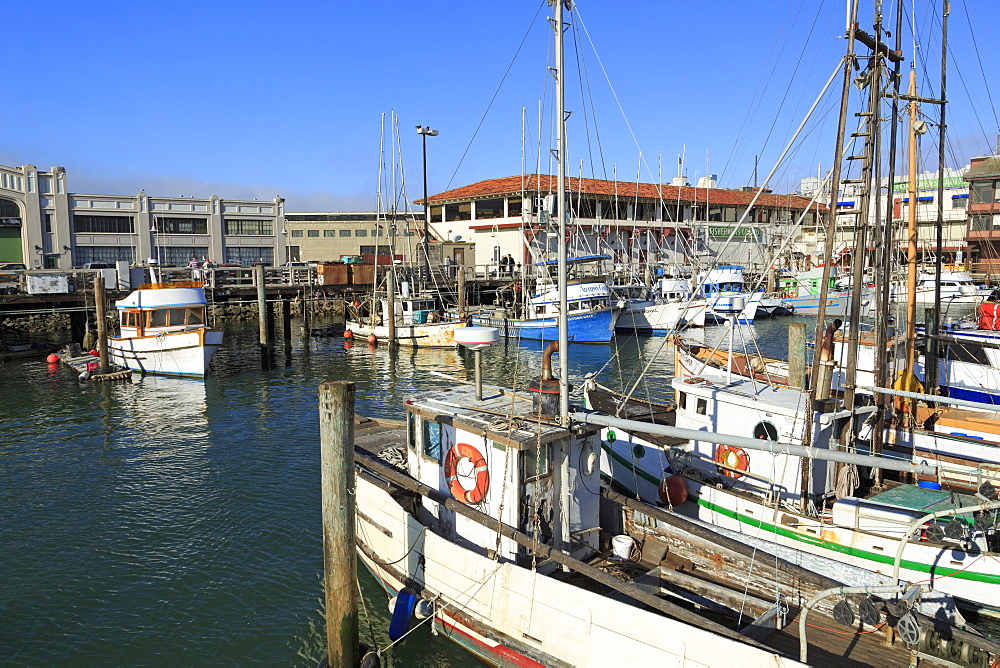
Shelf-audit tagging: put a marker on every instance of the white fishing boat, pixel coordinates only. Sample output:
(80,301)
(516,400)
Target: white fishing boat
(163,331)
(669,306)
(418,323)
(722,283)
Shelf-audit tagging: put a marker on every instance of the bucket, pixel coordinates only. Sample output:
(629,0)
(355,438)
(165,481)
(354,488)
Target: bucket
(622,546)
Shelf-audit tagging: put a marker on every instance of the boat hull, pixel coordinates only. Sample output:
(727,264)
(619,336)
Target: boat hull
(430,335)
(652,318)
(167,354)
(590,327)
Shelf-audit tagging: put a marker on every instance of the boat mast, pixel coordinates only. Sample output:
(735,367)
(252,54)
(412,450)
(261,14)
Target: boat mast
(911,230)
(557,25)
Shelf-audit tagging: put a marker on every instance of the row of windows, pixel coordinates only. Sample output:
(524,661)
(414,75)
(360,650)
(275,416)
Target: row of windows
(125,225)
(340,233)
(181,225)
(173,317)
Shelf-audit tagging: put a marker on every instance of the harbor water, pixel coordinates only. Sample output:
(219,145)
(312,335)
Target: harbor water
(178,521)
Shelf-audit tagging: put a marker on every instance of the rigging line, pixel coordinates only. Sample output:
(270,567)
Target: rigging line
(584,81)
(482,120)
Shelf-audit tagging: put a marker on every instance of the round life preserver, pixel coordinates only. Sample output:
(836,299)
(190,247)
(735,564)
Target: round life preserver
(734,458)
(457,453)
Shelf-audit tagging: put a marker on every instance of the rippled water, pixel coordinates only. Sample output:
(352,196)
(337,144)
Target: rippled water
(178,521)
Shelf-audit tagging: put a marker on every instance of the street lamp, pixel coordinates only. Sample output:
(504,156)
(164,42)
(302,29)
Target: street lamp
(424,132)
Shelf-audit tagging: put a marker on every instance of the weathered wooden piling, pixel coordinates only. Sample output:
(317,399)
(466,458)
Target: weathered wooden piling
(101,300)
(265,356)
(286,319)
(797,354)
(462,307)
(390,301)
(338,483)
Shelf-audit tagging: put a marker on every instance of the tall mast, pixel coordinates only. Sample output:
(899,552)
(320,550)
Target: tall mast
(557,25)
(911,230)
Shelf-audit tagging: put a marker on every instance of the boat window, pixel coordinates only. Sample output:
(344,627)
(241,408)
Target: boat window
(432,440)
(177,316)
(682,400)
(575,306)
(971,354)
(158,318)
(536,462)
(540,309)
(411,431)
(765,430)
(702,407)
(196,316)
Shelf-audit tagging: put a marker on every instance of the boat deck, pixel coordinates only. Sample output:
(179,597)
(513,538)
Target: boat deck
(703,576)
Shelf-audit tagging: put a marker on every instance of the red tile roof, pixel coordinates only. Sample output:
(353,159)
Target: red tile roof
(513,185)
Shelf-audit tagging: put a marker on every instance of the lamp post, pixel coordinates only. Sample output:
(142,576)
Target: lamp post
(424,132)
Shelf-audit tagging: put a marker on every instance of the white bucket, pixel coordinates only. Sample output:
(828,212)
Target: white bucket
(622,546)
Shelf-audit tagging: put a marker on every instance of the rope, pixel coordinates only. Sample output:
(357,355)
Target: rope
(406,554)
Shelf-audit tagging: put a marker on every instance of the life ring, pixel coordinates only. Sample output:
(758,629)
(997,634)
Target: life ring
(465,451)
(734,458)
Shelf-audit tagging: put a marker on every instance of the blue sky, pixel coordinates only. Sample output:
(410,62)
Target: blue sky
(254,99)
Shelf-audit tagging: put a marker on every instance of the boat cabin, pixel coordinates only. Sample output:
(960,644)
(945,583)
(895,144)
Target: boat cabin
(515,470)
(156,308)
(413,311)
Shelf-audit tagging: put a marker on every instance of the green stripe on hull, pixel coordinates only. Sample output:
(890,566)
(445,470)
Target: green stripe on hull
(844,549)
(629,465)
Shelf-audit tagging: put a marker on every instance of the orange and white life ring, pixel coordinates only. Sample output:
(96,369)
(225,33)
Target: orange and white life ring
(457,453)
(732,457)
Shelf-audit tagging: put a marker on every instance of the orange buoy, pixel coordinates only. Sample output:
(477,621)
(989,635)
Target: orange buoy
(673,490)
(457,453)
(355,304)
(733,458)
(52,358)
(372,339)
(348,334)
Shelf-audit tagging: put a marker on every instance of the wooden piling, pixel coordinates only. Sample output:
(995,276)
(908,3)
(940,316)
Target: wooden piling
(265,357)
(338,483)
(797,354)
(286,319)
(101,301)
(390,303)
(461,292)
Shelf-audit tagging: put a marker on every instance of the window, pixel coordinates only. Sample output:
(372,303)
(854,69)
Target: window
(982,192)
(960,202)
(458,211)
(179,256)
(165,225)
(48,222)
(682,400)
(411,431)
(248,255)
(345,233)
(296,233)
(432,440)
(980,222)
(489,208)
(312,233)
(158,318)
(247,226)
(514,207)
(103,224)
(765,430)
(436,214)
(110,254)
(585,208)
(971,353)
(702,407)
(361,233)
(536,462)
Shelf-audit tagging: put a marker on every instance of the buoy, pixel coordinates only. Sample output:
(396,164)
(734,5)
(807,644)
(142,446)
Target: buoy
(348,334)
(372,338)
(673,490)
(52,358)
(401,613)
(355,304)
(95,353)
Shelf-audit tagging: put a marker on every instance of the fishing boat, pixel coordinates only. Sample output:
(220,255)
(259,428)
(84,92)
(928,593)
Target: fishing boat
(163,331)
(490,522)
(938,525)
(592,309)
(418,322)
(721,283)
(667,307)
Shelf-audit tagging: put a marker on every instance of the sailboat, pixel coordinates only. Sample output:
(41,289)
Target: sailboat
(798,501)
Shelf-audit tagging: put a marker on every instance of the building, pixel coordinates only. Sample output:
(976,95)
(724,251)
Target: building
(627,221)
(983,234)
(45,225)
(956,197)
(328,236)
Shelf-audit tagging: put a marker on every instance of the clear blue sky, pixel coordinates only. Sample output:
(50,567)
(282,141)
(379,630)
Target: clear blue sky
(254,99)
